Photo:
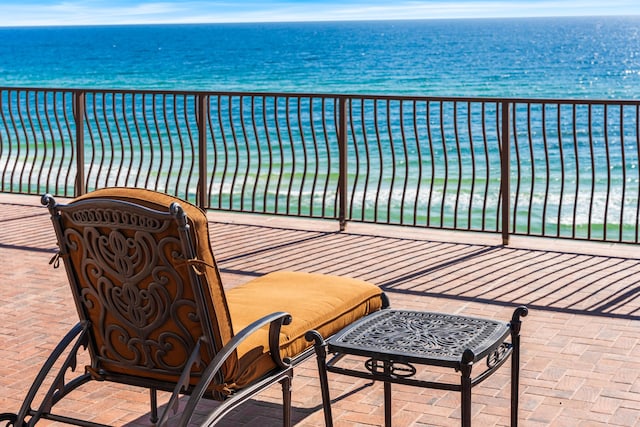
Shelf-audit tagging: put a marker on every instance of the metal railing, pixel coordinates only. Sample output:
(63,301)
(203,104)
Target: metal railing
(570,168)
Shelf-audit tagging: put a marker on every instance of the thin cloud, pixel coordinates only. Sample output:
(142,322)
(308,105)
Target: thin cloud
(98,12)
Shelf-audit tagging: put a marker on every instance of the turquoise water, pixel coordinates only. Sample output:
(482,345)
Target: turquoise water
(543,57)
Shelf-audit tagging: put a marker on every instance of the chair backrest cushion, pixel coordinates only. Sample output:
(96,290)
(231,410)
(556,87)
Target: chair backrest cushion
(147,304)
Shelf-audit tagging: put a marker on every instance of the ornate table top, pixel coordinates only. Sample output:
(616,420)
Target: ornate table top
(420,337)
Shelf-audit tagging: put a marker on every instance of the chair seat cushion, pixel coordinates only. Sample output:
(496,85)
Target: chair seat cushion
(321,302)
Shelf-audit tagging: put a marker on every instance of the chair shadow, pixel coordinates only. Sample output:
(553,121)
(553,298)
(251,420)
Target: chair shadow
(253,412)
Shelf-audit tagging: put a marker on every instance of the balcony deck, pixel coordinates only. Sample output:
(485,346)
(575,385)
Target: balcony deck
(581,341)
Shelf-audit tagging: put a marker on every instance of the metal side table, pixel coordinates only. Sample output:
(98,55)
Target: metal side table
(393,341)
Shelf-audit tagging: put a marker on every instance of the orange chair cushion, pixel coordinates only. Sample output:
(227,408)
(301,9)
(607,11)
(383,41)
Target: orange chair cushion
(215,298)
(315,301)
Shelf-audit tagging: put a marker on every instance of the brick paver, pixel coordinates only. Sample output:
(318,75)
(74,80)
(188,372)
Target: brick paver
(581,341)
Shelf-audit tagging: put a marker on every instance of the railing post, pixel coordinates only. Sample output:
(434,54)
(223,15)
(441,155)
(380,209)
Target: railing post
(79,100)
(505,172)
(342,147)
(202,115)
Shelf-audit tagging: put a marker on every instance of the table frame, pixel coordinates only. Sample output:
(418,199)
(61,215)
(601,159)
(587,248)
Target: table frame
(397,367)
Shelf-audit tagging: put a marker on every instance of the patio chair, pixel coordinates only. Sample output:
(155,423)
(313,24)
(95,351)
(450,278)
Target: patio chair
(153,311)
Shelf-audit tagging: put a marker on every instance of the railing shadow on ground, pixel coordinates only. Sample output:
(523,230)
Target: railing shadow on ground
(596,285)
(550,280)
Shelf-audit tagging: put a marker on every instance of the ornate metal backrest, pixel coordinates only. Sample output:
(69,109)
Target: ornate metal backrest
(131,271)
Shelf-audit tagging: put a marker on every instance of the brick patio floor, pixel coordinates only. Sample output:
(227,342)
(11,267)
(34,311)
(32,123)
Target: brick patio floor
(581,341)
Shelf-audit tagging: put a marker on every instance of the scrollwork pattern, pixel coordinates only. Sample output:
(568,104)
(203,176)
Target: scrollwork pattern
(425,333)
(498,355)
(116,217)
(141,306)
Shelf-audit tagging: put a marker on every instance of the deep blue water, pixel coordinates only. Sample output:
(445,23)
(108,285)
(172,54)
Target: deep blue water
(543,57)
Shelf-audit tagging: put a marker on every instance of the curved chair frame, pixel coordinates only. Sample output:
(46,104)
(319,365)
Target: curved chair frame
(81,337)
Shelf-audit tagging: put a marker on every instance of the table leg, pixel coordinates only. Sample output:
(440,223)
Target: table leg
(387,404)
(465,369)
(515,325)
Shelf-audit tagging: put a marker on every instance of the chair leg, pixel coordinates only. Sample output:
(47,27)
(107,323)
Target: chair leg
(154,405)
(74,340)
(321,357)
(286,400)
(10,419)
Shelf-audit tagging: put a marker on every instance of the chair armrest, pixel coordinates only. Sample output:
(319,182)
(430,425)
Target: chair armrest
(275,322)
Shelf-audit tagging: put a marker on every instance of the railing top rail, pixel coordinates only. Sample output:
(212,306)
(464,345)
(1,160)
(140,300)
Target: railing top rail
(518,100)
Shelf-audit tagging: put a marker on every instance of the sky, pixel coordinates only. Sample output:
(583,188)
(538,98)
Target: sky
(109,12)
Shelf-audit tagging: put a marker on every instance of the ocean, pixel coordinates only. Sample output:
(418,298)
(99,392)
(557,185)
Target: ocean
(584,58)
(593,58)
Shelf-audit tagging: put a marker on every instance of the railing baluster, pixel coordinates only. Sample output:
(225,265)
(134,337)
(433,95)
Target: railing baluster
(547,166)
(236,150)
(392,149)
(406,163)
(516,146)
(357,174)
(180,146)
(136,121)
(637,175)
(431,163)
(158,141)
(247,153)
(473,166)
(293,153)
(78,117)
(202,113)
(608,157)
(169,140)
(256,181)
(57,173)
(380,160)
(487,164)
(562,169)
(72,150)
(5,154)
(533,168)
(42,127)
(459,162)
(190,111)
(623,193)
(342,144)
(118,138)
(330,161)
(593,174)
(419,154)
(445,164)
(577,187)
(23,127)
(148,135)
(129,137)
(109,138)
(267,185)
(316,150)
(506,172)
